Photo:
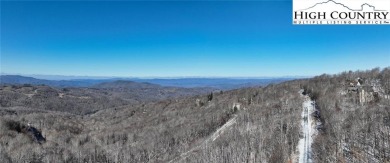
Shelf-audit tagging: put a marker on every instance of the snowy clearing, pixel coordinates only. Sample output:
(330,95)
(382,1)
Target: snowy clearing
(308,131)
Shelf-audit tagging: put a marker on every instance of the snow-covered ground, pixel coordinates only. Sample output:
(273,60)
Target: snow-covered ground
(308,131)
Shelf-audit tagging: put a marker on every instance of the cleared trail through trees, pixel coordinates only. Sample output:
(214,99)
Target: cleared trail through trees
(308,131)
(214,136)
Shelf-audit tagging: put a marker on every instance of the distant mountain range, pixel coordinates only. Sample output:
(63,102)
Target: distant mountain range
(17,79)
(216,83)
(122,84)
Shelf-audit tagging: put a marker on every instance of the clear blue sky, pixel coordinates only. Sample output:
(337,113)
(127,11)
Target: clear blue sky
(253,38)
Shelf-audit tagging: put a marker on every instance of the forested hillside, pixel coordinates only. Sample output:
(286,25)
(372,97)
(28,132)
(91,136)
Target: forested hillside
(83,101)
(356,118)
(259,124)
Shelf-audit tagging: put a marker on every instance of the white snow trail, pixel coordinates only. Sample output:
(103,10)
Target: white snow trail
(308,131)
(212,138)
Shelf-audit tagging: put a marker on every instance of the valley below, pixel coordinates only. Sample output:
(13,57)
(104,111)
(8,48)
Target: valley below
(327,118)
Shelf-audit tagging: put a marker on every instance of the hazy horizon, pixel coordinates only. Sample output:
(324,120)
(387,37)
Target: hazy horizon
(75,77)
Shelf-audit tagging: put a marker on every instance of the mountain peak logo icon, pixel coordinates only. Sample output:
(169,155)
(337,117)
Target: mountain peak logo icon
(333,4)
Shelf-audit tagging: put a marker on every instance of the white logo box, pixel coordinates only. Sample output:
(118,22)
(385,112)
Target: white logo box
(346,12)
